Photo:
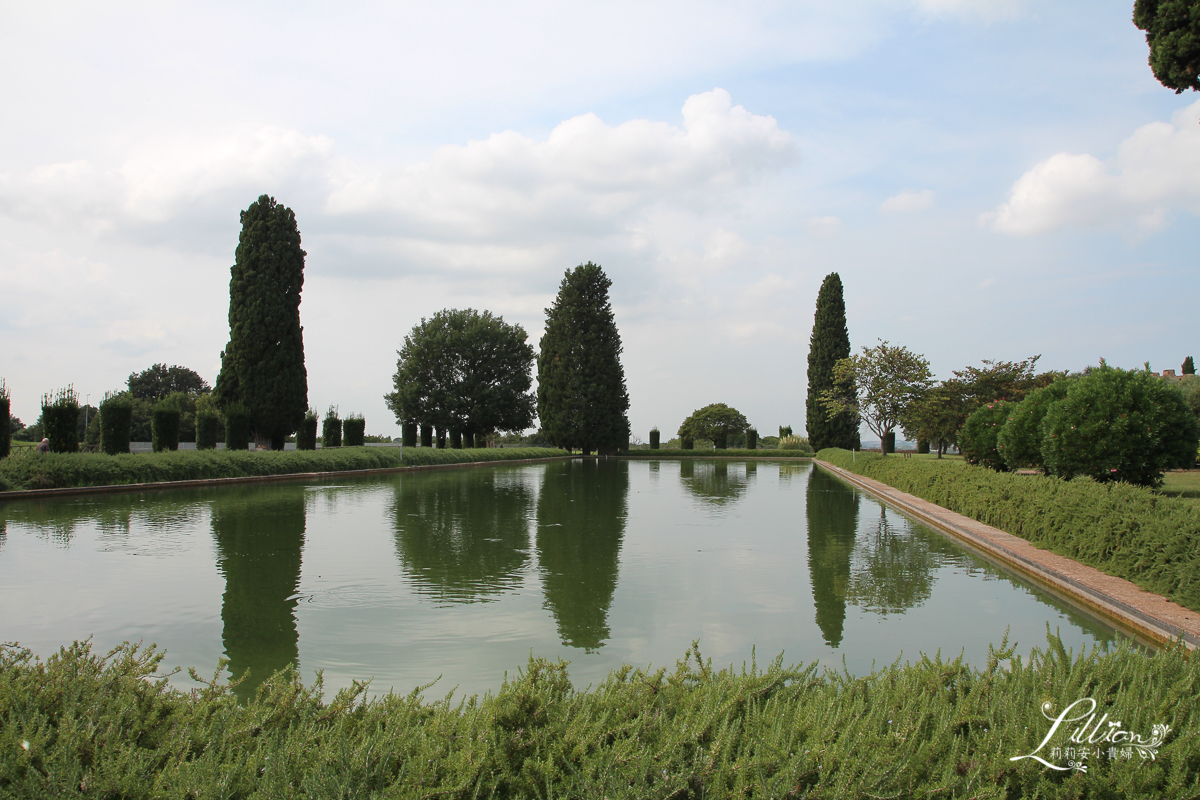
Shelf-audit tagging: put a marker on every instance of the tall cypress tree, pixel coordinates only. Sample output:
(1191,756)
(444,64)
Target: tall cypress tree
(582,400)
(830,341)
(262,367)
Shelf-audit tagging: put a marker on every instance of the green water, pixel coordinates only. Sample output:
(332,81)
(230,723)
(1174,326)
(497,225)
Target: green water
(463,573)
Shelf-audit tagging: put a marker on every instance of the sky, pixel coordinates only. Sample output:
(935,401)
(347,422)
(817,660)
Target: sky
(992,179)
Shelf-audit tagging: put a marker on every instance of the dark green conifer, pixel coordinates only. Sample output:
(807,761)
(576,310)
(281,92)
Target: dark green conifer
(582,399)
(262,367)
(830,342)
(1189,366)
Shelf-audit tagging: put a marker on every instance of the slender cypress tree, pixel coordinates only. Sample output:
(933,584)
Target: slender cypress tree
(262,367)
(582,399)
(830,341)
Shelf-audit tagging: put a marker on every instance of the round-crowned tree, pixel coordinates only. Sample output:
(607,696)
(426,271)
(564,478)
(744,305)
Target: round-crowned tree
(716,422)
(1118,425)
(1173,33)
(1020,439)
(978,438)
(582,401)
(262,367)
(465,372)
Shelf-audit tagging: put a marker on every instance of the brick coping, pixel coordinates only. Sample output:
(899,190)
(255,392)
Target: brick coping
(118,488)
(1117,601)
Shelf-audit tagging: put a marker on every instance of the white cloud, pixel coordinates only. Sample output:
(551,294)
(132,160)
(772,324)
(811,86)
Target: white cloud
(1156,170)
(905,202)
(823,226)
(199,181)
(587,177)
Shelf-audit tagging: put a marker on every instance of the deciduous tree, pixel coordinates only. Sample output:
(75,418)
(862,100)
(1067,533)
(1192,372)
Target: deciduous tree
(716,422)
(465,371)
(581,399)
(159,380)
(262,367)
(888,379)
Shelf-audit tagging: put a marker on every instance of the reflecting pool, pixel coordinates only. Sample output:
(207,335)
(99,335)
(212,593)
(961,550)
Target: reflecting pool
(462,573)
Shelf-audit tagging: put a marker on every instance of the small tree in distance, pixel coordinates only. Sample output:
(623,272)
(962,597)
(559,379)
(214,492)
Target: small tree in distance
(1189,366)
(888,380)
(716,422)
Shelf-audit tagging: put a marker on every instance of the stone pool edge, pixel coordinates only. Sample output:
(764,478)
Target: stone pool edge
(118,488)
(1116,600)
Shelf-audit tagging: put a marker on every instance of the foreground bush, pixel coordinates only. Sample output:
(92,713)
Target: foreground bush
(1127,531)
(83,725)
(1118,425)
(54,471)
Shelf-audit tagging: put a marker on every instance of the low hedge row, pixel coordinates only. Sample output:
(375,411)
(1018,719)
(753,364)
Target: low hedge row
(89,726)
(56,471)
(1124,530)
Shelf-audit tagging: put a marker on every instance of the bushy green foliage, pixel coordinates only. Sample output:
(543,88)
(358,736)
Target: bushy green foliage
(5,416)
(353,429)
(715,422)
(1119,425)
(1124,530)
(208,423)
(56,471)
(237,427)
(86,725)
(582,401)
(306,437)
(60,420)
(798,443)
(1173,33)
(654,438)
(686,444)
(1188,367)
(978,438)
(165,424)
(1020,439)
(262,367)
(116,418)
(331,429)
(466,370)
(888,380)
(752,439)
(408,434)
(159,380)
(828,344)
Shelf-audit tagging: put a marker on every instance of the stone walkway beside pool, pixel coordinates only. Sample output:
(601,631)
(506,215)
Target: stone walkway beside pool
(1134,610)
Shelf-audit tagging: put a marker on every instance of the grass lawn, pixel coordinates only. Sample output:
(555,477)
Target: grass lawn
(1184,483)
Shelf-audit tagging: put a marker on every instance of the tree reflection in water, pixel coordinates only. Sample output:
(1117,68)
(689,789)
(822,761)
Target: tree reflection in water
(581,522)
(894,566)
(463,535)
(714,482)
(832,516)
(259,531)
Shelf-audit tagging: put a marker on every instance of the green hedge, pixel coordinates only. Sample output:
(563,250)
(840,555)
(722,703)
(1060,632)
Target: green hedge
(89,726)
(306,436)
(353,431)
(1124,530)
(116,423)
(56,471)
(164,427)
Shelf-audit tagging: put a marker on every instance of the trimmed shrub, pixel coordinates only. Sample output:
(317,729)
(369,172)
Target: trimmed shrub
(237,427)
(354,428)
(796,443)
(60,420)
(1118,425)
(207,426)
(331,429)
(408,434)
(654,438)
(752,439)
(922,446)
(888,443)
(427,437)
(456,438)
(306,436)
(164,424)
(1020,439)
(977,439)
(116,422)
(5,425)
(686,444)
